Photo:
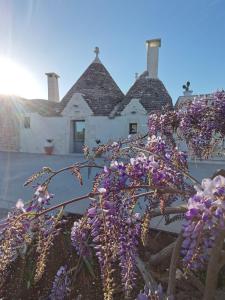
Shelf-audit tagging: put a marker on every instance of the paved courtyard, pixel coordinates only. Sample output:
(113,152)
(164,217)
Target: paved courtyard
(15,168)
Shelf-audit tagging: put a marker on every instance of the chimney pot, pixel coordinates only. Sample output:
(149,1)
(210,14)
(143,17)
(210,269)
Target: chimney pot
(53,88)
(153,57)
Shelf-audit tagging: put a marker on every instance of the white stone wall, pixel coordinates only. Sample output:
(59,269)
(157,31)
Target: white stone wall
(33,139)
(106,129)
(9,127)
(59,129)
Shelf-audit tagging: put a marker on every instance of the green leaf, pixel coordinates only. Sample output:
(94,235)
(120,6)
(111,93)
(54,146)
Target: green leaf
(60,214)
(89,265)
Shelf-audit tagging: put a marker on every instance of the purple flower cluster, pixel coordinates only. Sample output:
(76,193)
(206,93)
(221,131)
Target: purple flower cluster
(102,217)
(163,168)
(113,227)
(42,196)
(40,199)
(79,236)
(218,104)
(17,231)
(111,221)
(147,294)
(200,123)
(168,161)
(197,126)
(47,230)
(13,238)
(128,241)
(205,215)
(60,287)
(163,124)
(165,153)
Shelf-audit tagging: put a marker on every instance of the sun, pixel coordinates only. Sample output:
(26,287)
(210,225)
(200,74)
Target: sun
(16,80)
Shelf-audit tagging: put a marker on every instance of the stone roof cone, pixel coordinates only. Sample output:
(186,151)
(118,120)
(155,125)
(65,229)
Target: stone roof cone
(147,88)
(98,88)
(150,91)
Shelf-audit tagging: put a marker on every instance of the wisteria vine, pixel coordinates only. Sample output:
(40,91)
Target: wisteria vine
(147,171)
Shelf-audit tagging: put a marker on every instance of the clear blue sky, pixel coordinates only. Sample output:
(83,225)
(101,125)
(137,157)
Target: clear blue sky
(59,36)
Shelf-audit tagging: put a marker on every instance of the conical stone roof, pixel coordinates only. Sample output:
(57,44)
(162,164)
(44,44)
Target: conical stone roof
(150,91)
(99,89)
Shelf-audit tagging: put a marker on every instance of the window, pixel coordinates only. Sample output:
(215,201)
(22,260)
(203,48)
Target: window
(26,122)
(132,128)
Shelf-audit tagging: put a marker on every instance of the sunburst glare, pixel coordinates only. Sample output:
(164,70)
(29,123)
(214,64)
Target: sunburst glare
(15,79)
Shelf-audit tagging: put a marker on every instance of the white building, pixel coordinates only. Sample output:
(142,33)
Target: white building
(94,109)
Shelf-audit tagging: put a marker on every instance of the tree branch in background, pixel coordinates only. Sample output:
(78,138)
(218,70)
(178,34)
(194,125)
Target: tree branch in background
(214,267)
(166,252)
(173,267)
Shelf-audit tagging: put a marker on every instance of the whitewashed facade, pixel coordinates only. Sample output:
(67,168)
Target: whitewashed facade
(94,109)
(60,129)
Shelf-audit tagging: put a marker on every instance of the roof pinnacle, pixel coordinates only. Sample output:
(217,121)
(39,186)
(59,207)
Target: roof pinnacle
(96,51)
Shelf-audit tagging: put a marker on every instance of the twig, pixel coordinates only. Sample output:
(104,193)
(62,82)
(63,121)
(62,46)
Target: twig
(173,267)
(146,275)
(222,259)
(135,140)
(67,203)
(78,165)
(152,192)
(168,210)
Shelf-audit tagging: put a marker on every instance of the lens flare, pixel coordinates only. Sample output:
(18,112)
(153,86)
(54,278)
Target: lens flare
(17,80)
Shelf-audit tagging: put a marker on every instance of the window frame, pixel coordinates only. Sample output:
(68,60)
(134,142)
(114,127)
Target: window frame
(26,122)
(131,129)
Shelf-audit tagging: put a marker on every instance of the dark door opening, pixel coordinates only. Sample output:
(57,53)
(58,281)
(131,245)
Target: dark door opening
(78,136)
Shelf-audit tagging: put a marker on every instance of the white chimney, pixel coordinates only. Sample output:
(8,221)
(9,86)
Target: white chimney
(153,57)
(53,89)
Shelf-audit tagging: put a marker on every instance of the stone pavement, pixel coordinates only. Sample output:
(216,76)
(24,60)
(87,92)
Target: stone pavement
(15,168)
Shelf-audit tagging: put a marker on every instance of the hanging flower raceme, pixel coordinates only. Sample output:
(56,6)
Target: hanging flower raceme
(166,171)
(128,242)
(15,235)
(111,224)
(205,215)
(60,288)
(113,228)
(148,294)
(48,229)
(80,234)
(163,124)
(102,218)
(17,230)
(42,196)
(200,123)
(197,126)
(218,104)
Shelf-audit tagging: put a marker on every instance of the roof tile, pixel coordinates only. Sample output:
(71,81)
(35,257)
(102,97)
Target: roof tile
(100,91)
(151,93)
